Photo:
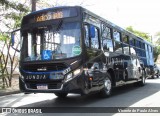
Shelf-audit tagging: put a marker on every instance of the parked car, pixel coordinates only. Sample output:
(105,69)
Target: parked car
(156,71)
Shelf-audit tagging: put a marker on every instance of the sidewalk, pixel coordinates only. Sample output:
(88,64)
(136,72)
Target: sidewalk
(11,90)
(7,92)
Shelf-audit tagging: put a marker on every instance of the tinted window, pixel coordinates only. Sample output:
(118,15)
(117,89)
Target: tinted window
(95,41)
(125,38)
(142,46)
(91,42)
(86,35)
(117,47)
(116,35)
(106,33)
(126,49)
(131,42)
(107,45)
(134,42)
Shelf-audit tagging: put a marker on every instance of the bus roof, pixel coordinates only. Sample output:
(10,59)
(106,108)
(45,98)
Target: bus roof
(96,16)
(117,27)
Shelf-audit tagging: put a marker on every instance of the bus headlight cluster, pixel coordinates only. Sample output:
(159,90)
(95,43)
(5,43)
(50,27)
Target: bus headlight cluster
(71,75)
(76,72)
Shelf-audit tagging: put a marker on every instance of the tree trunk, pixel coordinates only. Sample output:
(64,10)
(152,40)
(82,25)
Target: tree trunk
(34,5)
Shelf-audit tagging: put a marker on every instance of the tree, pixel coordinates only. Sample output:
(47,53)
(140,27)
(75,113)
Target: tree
(156,52)
(11,14)
(157,35)
(33,5)
(139,33)
(157,46)
(41,4)
(10,19)
(145,36)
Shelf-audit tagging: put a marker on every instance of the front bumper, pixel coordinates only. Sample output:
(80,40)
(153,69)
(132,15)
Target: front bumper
(76,85)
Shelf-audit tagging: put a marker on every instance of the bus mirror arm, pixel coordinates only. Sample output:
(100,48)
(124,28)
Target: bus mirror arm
(15,49)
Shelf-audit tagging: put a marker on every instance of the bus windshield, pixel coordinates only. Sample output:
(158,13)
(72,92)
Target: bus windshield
(51,42)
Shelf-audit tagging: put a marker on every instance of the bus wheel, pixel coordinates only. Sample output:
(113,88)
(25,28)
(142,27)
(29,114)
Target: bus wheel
(143,78)
(61,95)
(152,76)
(106,91)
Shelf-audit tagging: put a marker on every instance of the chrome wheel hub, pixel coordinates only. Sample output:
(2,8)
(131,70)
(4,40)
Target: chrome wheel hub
(107,85)
(143,79)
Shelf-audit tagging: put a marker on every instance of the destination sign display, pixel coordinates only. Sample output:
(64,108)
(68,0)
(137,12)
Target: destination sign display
(49,16)
(63,13)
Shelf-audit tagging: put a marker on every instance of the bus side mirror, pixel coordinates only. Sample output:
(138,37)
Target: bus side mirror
(91,31)
(13,33)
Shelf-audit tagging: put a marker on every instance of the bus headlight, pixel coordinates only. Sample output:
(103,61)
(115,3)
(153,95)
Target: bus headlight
(69,77)
(76,72)
(72,75)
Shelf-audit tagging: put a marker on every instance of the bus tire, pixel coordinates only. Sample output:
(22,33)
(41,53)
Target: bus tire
(153,77)
(107,90)
(61,95)
(26,93)
(143,78)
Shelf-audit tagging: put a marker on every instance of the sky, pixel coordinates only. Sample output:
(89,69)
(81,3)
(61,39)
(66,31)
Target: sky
(142,15)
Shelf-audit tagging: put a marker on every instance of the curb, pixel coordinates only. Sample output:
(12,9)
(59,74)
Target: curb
(9,93)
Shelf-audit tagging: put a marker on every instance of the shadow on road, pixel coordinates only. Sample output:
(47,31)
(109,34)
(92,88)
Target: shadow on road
(122,97)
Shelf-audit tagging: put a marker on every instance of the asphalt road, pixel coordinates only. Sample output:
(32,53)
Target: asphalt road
(147,96)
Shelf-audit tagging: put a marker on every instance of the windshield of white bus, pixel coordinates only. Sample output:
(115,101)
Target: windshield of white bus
(51,42)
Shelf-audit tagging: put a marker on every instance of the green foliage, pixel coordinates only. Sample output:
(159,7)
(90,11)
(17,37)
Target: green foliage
(157,35)
(8,4)
(10,18)
(17,17)
(139,33)
(4,37)
(12,13)
(145,36)
(156,52)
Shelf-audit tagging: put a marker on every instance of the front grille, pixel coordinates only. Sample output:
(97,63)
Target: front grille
(43,67)
(50,85)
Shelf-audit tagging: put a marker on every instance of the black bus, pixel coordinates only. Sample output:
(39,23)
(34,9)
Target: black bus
(72,50)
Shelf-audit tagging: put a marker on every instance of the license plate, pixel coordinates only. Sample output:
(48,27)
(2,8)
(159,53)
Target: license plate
(42,86)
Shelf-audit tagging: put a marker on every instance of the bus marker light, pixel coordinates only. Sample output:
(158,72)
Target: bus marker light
(90,78)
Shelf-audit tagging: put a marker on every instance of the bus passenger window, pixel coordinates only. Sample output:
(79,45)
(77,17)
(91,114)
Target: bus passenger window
(86,35)
(106,33)
(125,38)
(134,42)
(143,46)
(107,45)
(131,42)
(118,47)
(94,40)
(91,42)
(116,36)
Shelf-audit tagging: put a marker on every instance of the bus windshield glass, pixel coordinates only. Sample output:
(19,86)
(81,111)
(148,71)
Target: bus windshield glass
(58,41)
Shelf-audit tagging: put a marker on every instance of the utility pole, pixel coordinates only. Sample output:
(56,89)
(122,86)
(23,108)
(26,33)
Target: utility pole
(33,2)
